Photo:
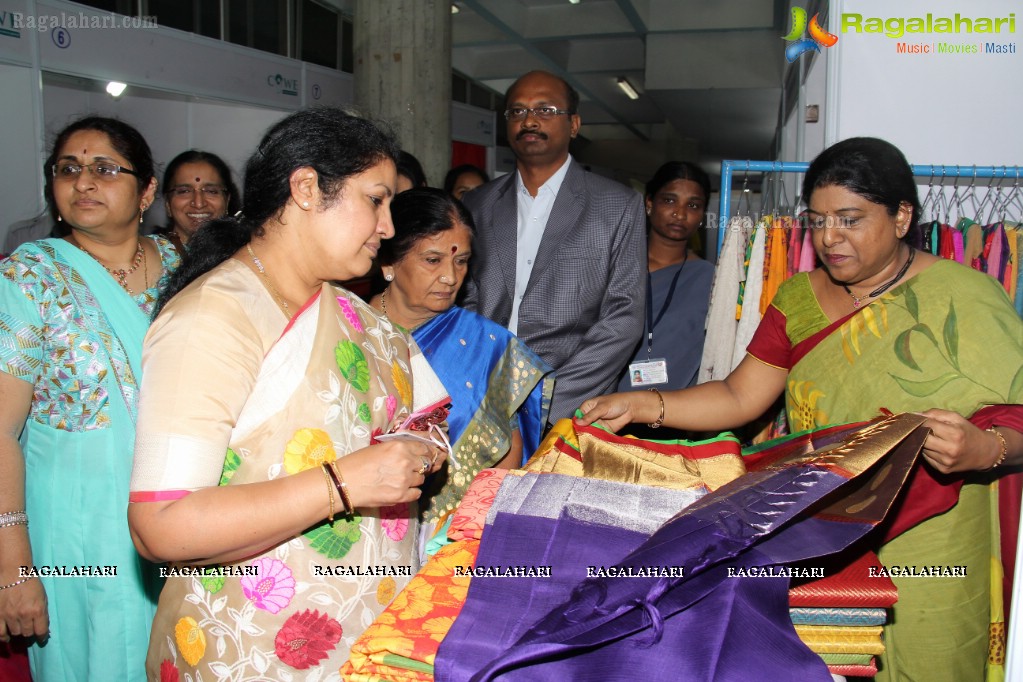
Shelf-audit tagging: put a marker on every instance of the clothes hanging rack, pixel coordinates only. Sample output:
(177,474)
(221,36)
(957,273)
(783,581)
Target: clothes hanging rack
(730,167)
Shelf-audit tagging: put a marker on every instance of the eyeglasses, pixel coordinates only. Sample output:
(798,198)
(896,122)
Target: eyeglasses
(542,113)
(104,170)
(209,192)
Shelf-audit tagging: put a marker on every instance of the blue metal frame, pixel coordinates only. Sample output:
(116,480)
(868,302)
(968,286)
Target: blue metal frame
(728,167)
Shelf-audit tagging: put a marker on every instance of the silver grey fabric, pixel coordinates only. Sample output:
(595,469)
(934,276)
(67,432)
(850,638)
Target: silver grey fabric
(624,505)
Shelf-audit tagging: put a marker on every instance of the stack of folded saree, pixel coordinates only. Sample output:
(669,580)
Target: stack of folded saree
(581,578)
(840,616)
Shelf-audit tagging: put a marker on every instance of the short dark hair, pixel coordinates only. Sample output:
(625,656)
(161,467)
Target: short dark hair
(410,167)
(199,156)
(571,96)
(421,212)
(678,170)
(334,143)
(452,177)
(872,168)
(126,140)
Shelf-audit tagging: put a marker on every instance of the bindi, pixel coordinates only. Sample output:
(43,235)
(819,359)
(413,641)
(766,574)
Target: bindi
(454,249)
(198,179)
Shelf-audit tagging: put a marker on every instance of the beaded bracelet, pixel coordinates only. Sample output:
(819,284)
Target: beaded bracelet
(16,582)
(660,419)
(330,492)
(14,518)
(1005,448)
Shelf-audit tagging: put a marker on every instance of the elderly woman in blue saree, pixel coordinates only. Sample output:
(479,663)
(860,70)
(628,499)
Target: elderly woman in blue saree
(500,390)
(73,313)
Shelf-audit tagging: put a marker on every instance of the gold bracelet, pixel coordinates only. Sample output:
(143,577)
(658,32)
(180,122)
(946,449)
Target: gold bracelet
(330,492)
(342,488)
(660,419)
(1005,449)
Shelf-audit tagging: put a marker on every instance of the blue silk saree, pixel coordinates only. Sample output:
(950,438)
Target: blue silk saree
(497,385)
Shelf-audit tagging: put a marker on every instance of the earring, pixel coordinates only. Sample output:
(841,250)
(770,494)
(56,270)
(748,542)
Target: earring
(59,218)
(389,276)
(142,213)
(305,204)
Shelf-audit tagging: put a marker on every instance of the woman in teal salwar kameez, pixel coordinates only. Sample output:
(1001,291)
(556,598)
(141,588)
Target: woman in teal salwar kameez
(73,313)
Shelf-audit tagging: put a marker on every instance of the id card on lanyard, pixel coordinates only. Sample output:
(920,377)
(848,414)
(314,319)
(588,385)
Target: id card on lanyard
(653,371)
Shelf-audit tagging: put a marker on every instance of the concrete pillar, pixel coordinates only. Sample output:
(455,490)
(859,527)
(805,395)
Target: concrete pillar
(403,75)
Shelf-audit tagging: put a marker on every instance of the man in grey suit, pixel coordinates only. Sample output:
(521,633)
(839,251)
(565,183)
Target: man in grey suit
(560,254)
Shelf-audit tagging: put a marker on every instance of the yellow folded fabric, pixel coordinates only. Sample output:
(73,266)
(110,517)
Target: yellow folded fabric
(837,639)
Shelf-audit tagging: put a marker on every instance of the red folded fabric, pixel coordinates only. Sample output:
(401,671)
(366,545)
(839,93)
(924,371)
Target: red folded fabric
(847,584)
(855,670)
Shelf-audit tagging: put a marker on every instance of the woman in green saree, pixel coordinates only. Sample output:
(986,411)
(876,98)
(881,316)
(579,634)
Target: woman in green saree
(881,326)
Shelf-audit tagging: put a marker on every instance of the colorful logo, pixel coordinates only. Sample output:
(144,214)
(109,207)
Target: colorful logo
(818,36)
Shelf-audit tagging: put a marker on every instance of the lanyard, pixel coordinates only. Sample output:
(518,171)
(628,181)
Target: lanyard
(651,322)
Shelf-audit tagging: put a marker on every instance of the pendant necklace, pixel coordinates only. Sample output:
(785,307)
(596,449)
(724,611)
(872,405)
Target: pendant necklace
(858,300)
(121,274)
(269,282)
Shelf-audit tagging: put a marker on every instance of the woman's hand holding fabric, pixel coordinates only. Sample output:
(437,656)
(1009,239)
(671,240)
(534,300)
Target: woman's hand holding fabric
(956,445)
(388,473)
(614,411)
(23,609)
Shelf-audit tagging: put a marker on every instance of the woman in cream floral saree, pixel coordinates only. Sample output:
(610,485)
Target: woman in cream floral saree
(257,475)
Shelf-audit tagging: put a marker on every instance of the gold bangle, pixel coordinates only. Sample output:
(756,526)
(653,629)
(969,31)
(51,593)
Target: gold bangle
(1005,449)
(342,488)
(660,419)
(330,492)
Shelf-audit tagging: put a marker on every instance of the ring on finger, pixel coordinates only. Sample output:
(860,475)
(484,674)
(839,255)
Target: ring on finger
(423,469)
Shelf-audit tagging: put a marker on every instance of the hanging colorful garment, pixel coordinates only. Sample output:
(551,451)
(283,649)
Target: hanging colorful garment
(775,260)
(716,362)
(750,316)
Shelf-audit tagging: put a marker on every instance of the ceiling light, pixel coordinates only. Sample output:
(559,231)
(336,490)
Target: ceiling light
(627,88)
(573,2)
(454,8)
(115,88)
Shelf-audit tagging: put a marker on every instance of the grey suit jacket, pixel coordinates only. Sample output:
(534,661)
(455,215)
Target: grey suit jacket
(584,305)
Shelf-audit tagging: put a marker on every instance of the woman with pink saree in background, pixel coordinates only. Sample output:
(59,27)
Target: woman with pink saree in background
(879,327)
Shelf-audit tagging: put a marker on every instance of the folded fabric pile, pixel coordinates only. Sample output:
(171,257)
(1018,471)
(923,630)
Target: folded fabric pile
(580,578)
(840,616)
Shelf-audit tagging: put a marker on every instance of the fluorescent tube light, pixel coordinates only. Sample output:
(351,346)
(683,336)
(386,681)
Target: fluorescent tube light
(115,88)
(627,88)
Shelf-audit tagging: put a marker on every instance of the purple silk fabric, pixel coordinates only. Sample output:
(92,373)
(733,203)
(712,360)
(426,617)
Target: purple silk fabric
(706,626)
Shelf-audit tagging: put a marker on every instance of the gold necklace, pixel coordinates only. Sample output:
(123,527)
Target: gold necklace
(120,274)
(383,302)
(269,282)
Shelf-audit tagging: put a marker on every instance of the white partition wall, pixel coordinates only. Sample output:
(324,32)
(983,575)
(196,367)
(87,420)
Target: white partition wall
(959,103)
